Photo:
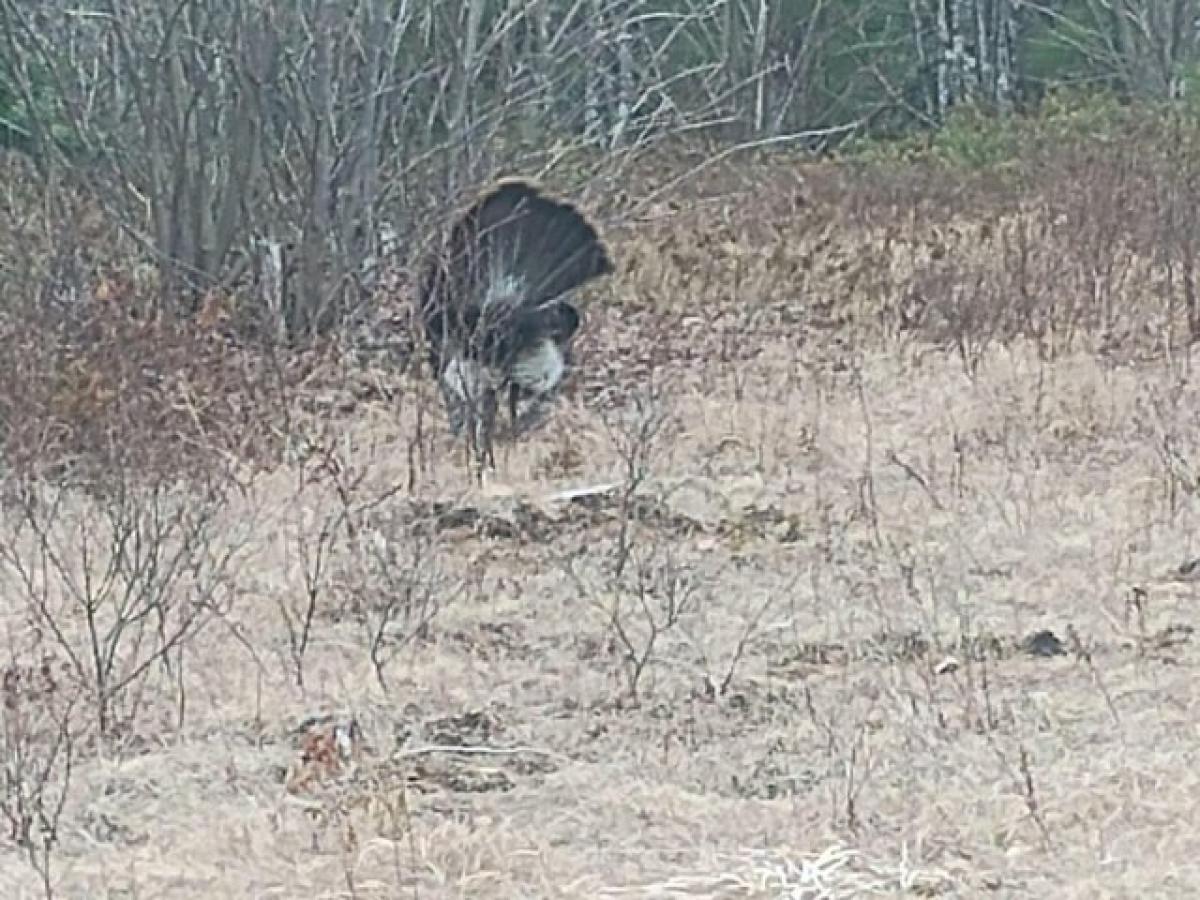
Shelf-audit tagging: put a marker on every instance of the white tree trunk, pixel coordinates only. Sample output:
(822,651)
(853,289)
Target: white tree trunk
(985,83)
(1004,34)
(626,87)
(271,285)
(945,60)
(963,79)
(760,58)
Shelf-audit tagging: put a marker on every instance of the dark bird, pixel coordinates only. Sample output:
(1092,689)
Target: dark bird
(494,304)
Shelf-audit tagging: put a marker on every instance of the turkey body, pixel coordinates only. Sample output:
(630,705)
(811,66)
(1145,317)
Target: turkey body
(495,306)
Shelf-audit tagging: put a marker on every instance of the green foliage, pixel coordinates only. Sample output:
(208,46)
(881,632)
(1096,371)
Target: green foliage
(867,66)
(1066,49)
(974,139)
(1073,115)
(970,139)
(19,124)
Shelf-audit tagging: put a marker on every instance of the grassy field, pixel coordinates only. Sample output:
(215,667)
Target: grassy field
(849,566)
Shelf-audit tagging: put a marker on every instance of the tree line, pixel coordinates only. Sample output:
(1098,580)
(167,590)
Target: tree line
(213,126)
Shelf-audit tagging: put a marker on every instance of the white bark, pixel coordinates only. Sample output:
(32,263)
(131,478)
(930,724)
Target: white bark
(1005,36)
(626,87)
(984,78)
(271,284)
(468,69)
(962,81)
(945,60)
(760,65)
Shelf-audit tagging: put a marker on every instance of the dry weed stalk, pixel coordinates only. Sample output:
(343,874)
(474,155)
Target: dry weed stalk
(749,631)
(1083,653)
(1023,780)
(849,759)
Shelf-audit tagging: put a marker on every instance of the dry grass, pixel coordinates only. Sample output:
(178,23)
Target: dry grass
(813,675)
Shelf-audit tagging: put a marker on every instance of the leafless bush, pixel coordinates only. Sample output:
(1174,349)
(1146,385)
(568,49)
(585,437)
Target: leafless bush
(642,590)
(1177,237)
(1164,415)
(313,543)
(361,555)
(642,606)
(37,744)
(91,380)
(318,525)
(1102,213)
(120,577)
(638,432)
(396,582)
(194,129)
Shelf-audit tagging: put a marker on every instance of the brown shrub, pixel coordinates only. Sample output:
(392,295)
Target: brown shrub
(1087,244)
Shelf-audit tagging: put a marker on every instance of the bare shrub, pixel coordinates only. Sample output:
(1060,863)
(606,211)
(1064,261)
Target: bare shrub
(638,432)
(397,580)
(37,747)
(320,519)
(1176,240)
(120,577)
(1082,242)
(91,380)
(642,606)
(1102,211)
(362,554)
(314,544)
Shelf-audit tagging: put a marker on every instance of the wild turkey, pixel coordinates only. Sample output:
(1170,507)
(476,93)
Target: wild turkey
(495,309)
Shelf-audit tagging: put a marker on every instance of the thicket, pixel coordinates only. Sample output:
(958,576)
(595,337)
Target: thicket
(272,150)
(202,200)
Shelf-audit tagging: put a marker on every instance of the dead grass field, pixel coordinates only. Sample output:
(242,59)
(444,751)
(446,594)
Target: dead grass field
(822,669)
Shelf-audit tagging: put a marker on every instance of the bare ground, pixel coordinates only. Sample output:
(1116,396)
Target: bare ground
(914,634)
